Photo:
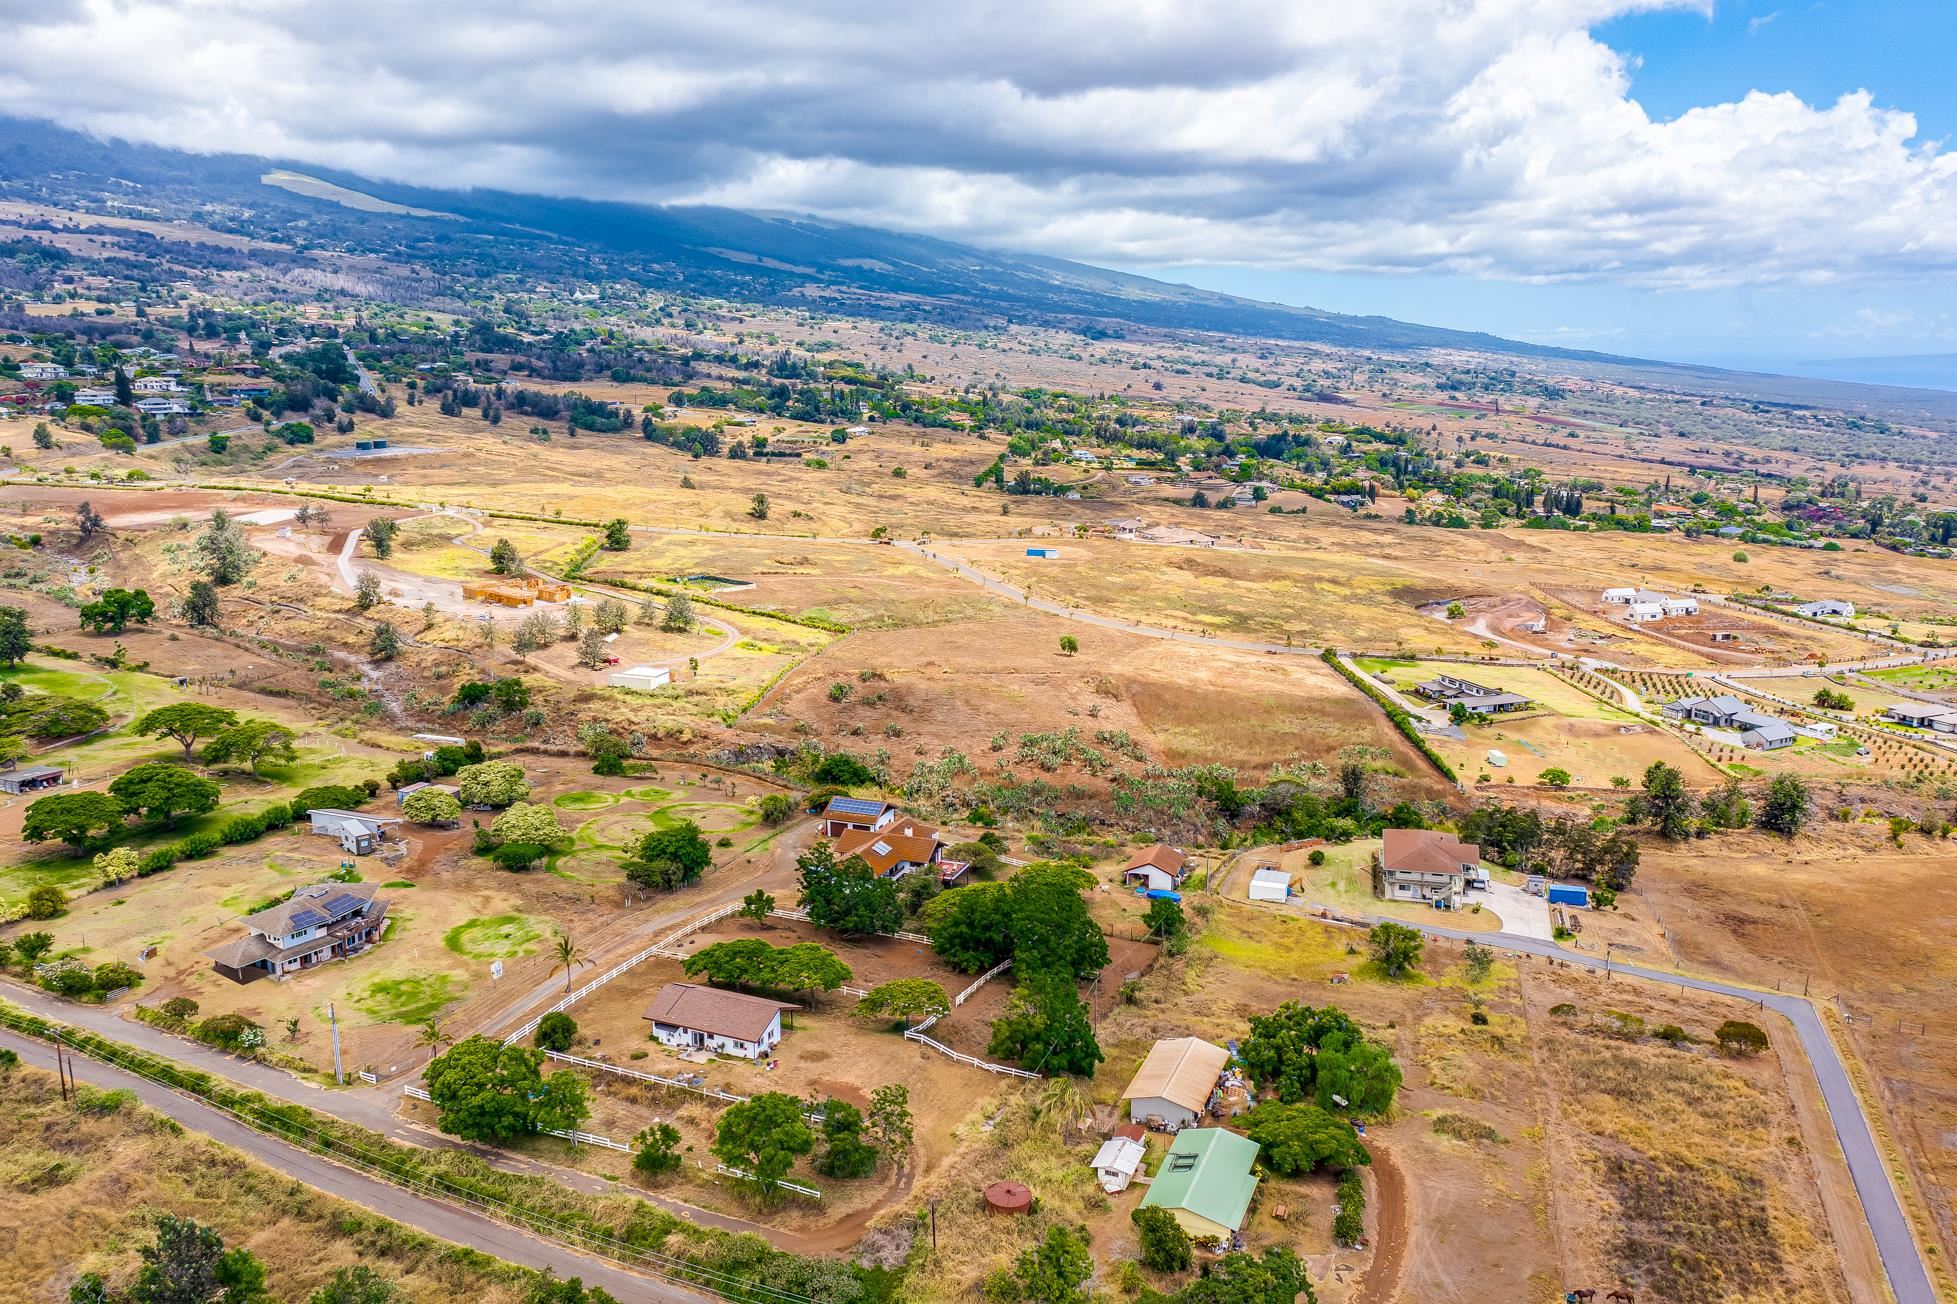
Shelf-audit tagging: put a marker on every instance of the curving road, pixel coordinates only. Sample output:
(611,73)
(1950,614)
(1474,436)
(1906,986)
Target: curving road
(1902,1262)
(437,1218)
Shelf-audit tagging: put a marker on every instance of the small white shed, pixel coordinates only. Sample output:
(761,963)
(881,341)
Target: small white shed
(1270,884)
(643,678)
(1117,1162)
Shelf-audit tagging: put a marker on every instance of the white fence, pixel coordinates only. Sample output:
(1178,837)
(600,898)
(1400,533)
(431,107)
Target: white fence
(981,981)
(917,1034)
(640,1075)
(796,1187)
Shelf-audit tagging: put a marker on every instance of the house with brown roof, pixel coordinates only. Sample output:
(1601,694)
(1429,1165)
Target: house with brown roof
(1423,865)
(1173,1086)
(316,924)
(895,849)
(689,1017)
(1160,867)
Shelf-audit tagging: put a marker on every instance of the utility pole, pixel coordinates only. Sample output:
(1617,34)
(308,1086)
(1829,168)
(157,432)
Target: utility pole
(339,1078)
(934,1224)
(63,1070)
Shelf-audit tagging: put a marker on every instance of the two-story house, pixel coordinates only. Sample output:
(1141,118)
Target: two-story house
(318,923)
(1423,865)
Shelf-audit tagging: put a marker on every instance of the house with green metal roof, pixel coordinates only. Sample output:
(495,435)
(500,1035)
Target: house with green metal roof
(1205,1181)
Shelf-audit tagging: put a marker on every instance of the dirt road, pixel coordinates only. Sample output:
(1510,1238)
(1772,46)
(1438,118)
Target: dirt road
(1381,1283)
(438,1218)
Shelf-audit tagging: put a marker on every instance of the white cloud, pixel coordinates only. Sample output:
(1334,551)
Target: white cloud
(1483,137)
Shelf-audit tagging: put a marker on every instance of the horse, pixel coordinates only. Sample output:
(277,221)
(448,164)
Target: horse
(1580,1297)
(1621,1296)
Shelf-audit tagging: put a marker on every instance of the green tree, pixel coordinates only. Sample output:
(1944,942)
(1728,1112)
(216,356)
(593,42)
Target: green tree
(117,865)
(1056,1270)
(185,722)
(385,645)
(1050,924)
(112,612)
(970,927)
(1069,645)
(188,1264)
(845,1153)
(618,534)
(1046,1027)
(610,616)
(1298,1139)
(1277,1276)
(907,999)
(492,783)
(670,857)
(381,533)
(678,616)
(763,1136)
(221,550)
(485,1091)
(758,509)
(432,806)
(30,947)
(807,967)
(775,808)
(565,955)
(367,591)
(556,1031)
(1164,919)
(1395,947)
(16,639)
(251,744)
(503,558)
(358,1284)
(847,897)
(1164,1244)
(1786,806)
(890,1119)
(1740,1038)
(1666,805)
(757,905)
(1308,1053)
(657,1150)
(1480,962)
(159,792)
(741,962)
(200,605)
(1555,776)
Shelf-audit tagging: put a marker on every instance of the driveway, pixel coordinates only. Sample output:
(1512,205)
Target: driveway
(1521,914)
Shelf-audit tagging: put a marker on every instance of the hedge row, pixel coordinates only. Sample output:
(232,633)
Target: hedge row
(1401,720)
(620,1227)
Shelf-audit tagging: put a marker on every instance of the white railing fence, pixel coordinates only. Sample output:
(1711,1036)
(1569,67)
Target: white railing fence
(917,1035)
(981,981)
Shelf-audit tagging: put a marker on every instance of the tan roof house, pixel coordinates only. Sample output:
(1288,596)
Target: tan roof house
(686,1016)
(1172,1088)
(1423,865)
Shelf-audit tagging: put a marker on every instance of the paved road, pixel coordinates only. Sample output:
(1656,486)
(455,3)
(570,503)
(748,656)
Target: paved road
(1909,1280)
(435,1217)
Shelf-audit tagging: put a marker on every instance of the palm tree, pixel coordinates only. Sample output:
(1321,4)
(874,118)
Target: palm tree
(433,1037)
(568,958)
(1063,1102)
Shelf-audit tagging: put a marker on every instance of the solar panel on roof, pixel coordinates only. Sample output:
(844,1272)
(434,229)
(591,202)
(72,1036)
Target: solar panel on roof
(855,806)
(345,903)
(308,919)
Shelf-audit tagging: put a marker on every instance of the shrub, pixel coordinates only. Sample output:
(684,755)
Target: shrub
(1349,1223)
(518,856)
(156,861)
(556,1031)
(242,828)
(225,1031)
(180,1007)
(115,975)
(46,901)
(1317,856)
(1740,1038)
(1164,1244)
(197,846)
(72,983)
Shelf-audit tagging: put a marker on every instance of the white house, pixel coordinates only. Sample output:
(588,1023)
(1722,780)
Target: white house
(357,834)
(689,1017)
(1680,606)
(1172,1088)
(1158,868)
(1117,1162)
(643,678)
(96,397)
(1619,597)
(42,371)
(1270,884)
(156,385)
(1827,609)
(1639,613)
(162,407)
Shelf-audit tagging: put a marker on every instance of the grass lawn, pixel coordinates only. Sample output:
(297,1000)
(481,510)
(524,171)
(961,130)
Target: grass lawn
(1345,883)
(415,998)
(497,937)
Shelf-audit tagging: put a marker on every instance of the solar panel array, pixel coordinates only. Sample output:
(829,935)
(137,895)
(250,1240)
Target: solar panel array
(344,904)
(307,918)
(855,806)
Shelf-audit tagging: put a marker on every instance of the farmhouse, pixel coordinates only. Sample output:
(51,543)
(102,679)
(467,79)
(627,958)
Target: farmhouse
(31,779)
(1632,597)
(1475,698)
(643,678)
(1173,1086)
(893,850)
(1827,609)
(1159,868)
(1725,711)
(689,1017)
(855,814)
(358,834)
(318,923)
(156,385)
(42,371)
(1680,606)
(1206,1183)
(1423,865)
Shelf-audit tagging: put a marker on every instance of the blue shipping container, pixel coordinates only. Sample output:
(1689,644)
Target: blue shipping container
(1042,552)
(1561,894)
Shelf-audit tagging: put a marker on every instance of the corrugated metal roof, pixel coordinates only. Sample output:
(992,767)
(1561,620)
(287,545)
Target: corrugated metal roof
(1182,1071)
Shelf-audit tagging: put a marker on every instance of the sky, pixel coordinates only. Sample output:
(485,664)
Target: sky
(1740,182)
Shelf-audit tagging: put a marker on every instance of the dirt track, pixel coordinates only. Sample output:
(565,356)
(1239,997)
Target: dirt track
(1381,1283)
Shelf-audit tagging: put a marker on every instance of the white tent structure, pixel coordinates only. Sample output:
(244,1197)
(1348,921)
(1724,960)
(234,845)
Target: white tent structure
(1270,884)
(643,678)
